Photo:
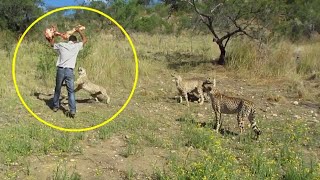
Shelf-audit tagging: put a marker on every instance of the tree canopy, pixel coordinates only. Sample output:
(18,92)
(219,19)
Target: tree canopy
(223,19)
(17,15)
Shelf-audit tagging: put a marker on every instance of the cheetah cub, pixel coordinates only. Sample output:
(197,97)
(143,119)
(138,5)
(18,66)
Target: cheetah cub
(223,104)
(97,92)
(192,86)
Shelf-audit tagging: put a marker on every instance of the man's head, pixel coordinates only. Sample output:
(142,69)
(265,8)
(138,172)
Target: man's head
(73,38)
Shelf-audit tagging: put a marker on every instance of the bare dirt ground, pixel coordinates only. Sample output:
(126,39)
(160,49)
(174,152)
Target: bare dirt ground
(100,161)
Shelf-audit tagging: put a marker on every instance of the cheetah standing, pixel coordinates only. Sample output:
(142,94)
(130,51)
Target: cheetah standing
(191,85)
(223,104)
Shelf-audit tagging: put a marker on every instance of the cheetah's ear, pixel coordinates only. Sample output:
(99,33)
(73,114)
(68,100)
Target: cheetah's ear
(174,75)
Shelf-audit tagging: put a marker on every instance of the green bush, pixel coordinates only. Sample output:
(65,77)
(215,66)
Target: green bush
(7,41)
(147,24)
(46,65)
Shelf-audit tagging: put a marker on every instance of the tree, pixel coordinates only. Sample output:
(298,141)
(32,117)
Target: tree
(301,18)
(226,19)
(144,2)
(125,11)
(95,19)
(17,15)
(173,6)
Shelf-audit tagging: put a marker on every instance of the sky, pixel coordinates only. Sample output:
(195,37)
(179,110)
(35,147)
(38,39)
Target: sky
(60,3)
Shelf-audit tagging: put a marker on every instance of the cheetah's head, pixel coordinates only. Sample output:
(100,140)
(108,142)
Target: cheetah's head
(176,77)
(208,88)
(82,71)
(209,80)
(209,85)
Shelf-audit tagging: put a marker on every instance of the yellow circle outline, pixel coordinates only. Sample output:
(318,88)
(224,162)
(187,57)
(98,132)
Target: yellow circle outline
(80,129)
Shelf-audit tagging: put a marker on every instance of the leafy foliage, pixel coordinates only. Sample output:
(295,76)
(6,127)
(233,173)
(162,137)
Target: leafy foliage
(292,18)
(17,15)
(299,19)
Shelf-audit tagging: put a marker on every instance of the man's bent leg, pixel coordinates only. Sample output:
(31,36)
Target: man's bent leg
(57,90)
(70,88)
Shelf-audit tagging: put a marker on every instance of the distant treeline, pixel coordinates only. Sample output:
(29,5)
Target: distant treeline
(290,18)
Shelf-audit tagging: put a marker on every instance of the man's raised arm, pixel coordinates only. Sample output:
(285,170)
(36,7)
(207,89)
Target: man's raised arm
(51,41)
(83,37)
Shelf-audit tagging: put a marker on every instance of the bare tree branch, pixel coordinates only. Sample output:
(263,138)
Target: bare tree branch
(212,10)
(235,18)
(242,30)
(204,17)
(225,44)
(193,4)
(230,34)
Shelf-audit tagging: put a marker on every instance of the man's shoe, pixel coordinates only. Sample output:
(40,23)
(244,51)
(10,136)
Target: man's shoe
(55,109)
(72,115)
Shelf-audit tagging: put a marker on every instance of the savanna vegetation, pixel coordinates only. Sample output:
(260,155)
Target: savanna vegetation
(265,51)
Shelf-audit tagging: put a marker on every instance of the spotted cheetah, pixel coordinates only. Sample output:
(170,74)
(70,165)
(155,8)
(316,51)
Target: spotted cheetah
(222,104)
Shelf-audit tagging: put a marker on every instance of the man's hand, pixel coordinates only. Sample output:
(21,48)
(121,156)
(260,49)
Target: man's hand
(51,41)
(83,37)
(50,33)
(78,29)
(54,28)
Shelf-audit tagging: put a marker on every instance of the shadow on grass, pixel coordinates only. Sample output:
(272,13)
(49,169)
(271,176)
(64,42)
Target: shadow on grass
(182,60)
(48,99)
(309,104)
(209,125)
(191,98)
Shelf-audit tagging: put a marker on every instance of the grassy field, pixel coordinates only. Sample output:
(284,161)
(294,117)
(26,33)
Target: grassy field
(155,137)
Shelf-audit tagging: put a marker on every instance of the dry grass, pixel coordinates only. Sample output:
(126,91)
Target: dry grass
(274,60)
(109,59)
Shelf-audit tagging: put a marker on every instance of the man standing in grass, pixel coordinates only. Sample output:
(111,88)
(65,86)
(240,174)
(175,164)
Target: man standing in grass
(68,52)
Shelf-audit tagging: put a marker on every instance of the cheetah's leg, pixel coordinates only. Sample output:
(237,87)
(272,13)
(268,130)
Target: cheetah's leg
(254,126)
(240,121)
(78,87)
(218,119)
(95,96)
(186,97)
(201,95)
(107,98)
(217,124)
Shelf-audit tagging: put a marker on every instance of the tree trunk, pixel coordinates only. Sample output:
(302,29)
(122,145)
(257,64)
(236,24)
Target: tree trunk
(221,60)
